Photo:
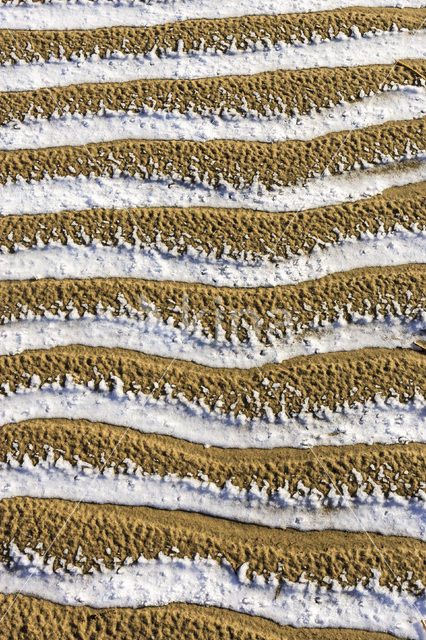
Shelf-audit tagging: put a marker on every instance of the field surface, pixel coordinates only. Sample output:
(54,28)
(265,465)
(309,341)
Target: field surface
(212,320)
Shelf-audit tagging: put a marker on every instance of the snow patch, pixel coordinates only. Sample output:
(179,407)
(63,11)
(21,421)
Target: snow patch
(86,14)
(50,195)
(153,336)
(392,515)
(156,262)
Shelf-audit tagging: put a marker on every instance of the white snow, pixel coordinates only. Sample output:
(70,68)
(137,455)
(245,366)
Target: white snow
(402,103)
(155,337)
(155,262)
(380,421)
(342,51)
(374,512)
(204,581)
(91,15)
(50,195)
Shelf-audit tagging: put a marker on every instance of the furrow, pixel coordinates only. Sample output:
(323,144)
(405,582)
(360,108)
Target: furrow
(217,326)
(217,171)
(46,619)
(200,35)
(321,399)
(198,48)
(260,107)
(376,488)
(131,547)
(213,246)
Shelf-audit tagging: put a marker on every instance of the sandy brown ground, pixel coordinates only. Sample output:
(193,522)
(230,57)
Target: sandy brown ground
(33,619)
(235,162)
(130,532)
(243,232)
(219,35)
(268,311)
(303,383)
(274,92)
(398,468)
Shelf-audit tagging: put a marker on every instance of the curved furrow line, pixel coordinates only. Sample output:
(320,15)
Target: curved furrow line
(91,15)
(376,488)
(115,552)
(182,620)
(263,107)
(371,395)
(199,48)
(213,246)
(363,163)
(221,326)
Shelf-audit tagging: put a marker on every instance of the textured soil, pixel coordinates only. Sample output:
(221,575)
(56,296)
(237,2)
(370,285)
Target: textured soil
(269,93)
(394,468)
(220,35)
(269,312)
(237,163)
(304,383)
(237,233)
(39,619)
(130,532)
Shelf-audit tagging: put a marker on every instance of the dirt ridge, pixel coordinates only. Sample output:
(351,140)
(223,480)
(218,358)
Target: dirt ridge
(220,35)
(305,383)
(277,92)
(41,619)
(396,468)
(129,532)
(212,230)
(269,312)
(239,164)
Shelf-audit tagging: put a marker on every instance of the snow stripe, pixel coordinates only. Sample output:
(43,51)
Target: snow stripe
(399,104)
(381,422)
(94,260)
(391,515)
(86,14)
(372,48)
(79,193)
(166,579)
(154,337)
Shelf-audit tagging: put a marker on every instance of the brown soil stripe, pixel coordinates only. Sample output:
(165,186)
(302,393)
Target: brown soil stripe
(242,232)
(130,532)
(218,35)
(304,383)
(269,312)
(394,468)
(235,162)
(275,92)
(40,619)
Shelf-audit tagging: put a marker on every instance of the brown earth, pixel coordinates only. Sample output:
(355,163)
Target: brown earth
(219,35)
(277,92)
(129,532)
(237,163)
(269,312)
(27,618)
(394,468)
(244,233)
(305,383)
